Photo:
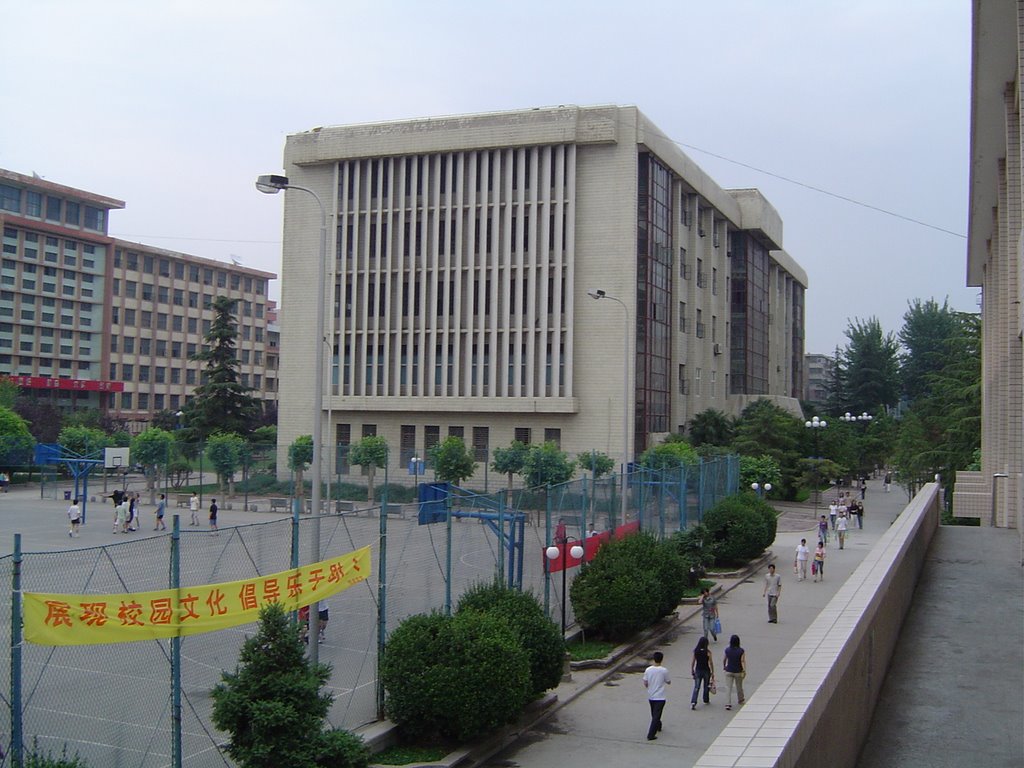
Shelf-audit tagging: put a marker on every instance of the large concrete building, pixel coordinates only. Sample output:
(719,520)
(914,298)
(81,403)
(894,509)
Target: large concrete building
(994,261)
(460,270)
(90,321)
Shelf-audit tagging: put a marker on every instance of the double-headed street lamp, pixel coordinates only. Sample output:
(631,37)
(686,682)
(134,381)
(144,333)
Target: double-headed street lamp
(271,184)
(863,416)
(597,294)
(562,550)
(816,425)
(760,489)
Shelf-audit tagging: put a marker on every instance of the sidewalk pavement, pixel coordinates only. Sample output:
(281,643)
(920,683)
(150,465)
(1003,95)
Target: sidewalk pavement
(602,715)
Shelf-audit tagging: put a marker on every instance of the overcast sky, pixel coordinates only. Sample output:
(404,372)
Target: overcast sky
(176,107)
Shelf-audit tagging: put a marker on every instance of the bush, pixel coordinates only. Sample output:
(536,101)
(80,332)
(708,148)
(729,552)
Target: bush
(629,585)
(694,548)
(341,749)
(454,677)
(537,635)
(36,758)
(739,528)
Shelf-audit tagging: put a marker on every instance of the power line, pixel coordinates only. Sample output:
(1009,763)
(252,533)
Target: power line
(813,188)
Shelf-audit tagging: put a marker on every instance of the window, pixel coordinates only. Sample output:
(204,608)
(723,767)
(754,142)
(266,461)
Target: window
(179,270)
(144,346)
(113,343)
(481,441)
(147,291)
(10,198)
(159,374)
(33,204)
(72,213)
(682,316)
(190,377)
(176,323)
(700,324)
(131,261)
(144,373)
(129,345)
(143,401)
(95,219)
(129,288)
(129,317)
(52,208)
(431,437)
(161,348)
(126,399)
(522,435)
(553,435)
(128,372)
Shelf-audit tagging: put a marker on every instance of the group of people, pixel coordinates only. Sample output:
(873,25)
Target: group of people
(127,511)
(840,512)
(127,508)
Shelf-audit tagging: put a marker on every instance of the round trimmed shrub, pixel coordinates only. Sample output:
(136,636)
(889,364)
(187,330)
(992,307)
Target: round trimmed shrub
(629,585)
(341,749)
(739,528)
(457,677)
(540,637)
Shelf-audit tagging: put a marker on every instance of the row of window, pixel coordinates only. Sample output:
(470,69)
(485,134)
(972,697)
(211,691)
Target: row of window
(38,206)
(164,266)
(684,382)
(162,294)
(145,319)
(27,363)
(160,348)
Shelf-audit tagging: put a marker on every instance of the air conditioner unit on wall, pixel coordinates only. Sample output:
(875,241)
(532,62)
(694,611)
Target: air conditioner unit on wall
(717,349)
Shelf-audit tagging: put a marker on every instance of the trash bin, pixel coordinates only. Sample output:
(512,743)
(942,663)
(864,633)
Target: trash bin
(67,495)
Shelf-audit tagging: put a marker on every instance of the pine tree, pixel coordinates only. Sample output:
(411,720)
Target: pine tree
(221,403)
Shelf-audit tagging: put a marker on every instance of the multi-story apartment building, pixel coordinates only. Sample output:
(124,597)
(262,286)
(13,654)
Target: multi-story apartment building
(466,255)
(817,378)
(87,320)
(996,493)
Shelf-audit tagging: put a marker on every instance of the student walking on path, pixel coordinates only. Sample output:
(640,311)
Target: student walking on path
(819,562)
(735,665)
(772,590)
(193,508)
(709,613)
(213,515)
(656,677)
(800,561)
(74,518)
(702,670)
(161,508)
(841,525)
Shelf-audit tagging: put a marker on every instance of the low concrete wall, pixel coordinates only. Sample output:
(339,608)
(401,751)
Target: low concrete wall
(815,707)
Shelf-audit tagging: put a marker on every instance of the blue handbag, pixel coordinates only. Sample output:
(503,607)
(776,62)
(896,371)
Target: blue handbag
(718,626)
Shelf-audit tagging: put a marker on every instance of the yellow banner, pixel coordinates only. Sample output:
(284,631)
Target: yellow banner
(92,619)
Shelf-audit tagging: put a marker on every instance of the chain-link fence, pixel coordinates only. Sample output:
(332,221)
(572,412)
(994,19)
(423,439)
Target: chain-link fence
(112,704)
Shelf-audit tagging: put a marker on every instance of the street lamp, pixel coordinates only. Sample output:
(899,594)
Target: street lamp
(815,425)
(863,416)
(271,184)
(759,489)
(563,550)
(597,294)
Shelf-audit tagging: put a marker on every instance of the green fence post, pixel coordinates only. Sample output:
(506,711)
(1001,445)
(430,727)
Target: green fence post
(547,563)
(448,550)
(382,593)
(17,737)
(176,647)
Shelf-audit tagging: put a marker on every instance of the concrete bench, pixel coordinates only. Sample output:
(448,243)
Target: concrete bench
(182,499)
(394,510)
(342,507)
(276,504)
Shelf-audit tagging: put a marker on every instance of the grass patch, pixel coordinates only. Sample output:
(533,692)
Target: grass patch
(695,591)
(587,650)
(405,754)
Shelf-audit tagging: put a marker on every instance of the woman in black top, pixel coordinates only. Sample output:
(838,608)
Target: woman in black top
(735,665)
(702,670)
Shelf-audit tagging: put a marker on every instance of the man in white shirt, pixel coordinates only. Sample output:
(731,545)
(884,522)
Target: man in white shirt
(655,679)
(800,563)
(841,525)
(833,509)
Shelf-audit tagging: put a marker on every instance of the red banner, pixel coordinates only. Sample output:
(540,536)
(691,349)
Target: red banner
(590,546)
(81,385)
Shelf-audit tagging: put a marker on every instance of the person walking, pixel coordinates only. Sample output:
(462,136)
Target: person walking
(735,666)
(709,612)
(161,508)
(833,510)
(860,515)
(133,503)
(800,563)
(841,525)
(656,677)
(823,530)
(702,670)
(888,481)
(772,590)
(863,487)
(74,518)
(121,519)
(324,614)
(193,507)
(213,515)
(819,562)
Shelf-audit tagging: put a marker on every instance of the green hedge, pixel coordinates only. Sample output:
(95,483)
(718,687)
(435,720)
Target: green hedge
(629,585)
(739,528)
(540,637)
(456,677)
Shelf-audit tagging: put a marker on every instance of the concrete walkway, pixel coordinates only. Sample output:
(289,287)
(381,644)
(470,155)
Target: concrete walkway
(603,717)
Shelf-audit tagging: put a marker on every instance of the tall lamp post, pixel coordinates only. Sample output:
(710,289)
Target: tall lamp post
(816,425)
(597,294)
(864,418)
(562,550)
(272,184)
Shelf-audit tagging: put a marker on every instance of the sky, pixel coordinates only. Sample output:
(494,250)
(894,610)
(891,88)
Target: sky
(851,118)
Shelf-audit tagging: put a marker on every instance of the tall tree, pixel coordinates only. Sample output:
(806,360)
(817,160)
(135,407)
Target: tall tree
(766,429)
(226,452)
(452,461)
(16,441)
(925,335)
(509,461)
(710,427)
(152,449)
(370,453)
(866,371)
(221,403)
(300,456)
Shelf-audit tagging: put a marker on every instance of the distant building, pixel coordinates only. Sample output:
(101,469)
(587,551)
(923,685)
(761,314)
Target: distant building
(817,378)
(89,321)
(994,263)
(464,254)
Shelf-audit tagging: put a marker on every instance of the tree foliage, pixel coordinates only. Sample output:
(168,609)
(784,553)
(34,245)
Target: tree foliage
(596,463)
(452,461)
(759,469)
(546,464)
(865,376)
(226,452)
(669,456)
(221,403)
(85,441)
(16,443)
(370,453)
(44,419)
(710,427)
(925,336)
(272,705)
(510,461)
(765,429)
(300,456)
(152,449)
